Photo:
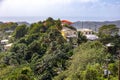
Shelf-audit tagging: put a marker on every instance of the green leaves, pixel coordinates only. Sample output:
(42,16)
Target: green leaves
(107,32)
(87,54)
(108,29)
(41,48)
(81,38)
(20,31)
(36,28)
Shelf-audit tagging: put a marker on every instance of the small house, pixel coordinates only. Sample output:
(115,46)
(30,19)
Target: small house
(7,46)
(67,32)
(85,31)
(88,33)
(4,42)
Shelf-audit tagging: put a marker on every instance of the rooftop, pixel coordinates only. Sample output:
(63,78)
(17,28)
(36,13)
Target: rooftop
(66,21)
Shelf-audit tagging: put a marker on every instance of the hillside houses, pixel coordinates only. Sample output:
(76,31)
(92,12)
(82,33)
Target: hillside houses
(67,32)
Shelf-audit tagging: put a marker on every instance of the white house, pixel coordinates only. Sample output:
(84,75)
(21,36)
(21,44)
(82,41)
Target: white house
(4,42)
(88,33)
(9,31)
(7,46)
(85,31)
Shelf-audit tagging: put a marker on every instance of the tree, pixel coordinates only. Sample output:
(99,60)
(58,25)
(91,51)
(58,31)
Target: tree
(23,77)
(49,22)
(45,52)
(107,32)
(88,53)
(58,24)
(91,74)
(8,26)
(20,31)
(18,52)
(35,47)
(81,38)
(36,28)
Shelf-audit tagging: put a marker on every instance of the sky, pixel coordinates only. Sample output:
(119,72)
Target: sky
(84,9)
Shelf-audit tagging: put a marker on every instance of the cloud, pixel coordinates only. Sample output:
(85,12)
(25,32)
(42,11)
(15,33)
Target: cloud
(33,7)
(87,1)
(1,1)
(59,8)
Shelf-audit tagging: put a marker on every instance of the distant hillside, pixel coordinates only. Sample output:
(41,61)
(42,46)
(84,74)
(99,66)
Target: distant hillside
(1,22)
(26,23)
(93,24)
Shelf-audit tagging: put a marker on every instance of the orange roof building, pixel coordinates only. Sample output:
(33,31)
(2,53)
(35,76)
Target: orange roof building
(66,22)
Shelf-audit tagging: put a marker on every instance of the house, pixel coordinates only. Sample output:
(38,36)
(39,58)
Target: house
(88,33)
(4,42)
(68,33)
(85,31)
(109,45)
(9,31)
(7,46)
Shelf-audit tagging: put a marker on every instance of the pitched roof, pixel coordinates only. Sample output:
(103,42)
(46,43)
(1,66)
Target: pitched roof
(66,21)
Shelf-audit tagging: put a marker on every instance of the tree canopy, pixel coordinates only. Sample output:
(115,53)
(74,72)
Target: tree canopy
(20,31)
(107,32)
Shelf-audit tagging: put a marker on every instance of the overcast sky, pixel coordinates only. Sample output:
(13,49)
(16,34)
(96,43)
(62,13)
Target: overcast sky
(61,8)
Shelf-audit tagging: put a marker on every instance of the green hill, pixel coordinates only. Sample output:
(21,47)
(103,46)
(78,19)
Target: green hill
(40,52)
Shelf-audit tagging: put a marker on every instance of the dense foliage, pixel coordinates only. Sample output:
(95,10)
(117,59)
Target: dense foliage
(107,33)
(40,52)
(40,48)
(6,28)
(86,63)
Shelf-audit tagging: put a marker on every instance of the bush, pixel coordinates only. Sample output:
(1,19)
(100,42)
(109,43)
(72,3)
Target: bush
(23,77)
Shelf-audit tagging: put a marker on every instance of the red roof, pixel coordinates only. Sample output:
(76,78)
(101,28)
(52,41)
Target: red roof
(67,22)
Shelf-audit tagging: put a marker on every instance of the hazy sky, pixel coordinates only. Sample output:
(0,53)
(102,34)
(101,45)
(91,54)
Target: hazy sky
(56,8)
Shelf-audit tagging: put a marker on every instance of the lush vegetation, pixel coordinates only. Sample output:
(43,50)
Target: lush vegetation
(39,52)
(87,63)
(5,29)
